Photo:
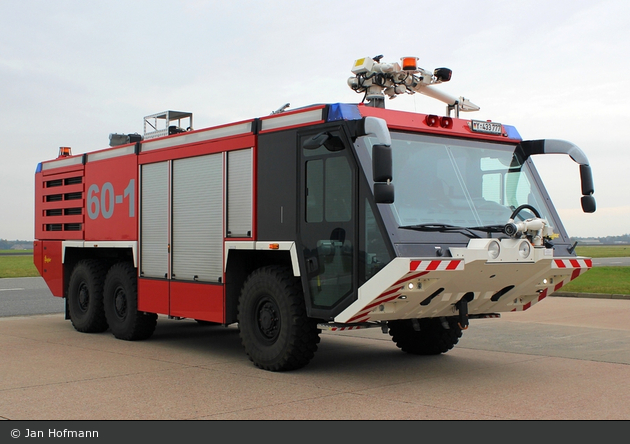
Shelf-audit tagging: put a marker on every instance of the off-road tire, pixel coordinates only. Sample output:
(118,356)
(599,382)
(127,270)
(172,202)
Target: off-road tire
(275,331)
(432,338)
(85,297)
(120,299)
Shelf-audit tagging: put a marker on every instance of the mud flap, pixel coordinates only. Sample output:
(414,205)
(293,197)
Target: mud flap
(462,308)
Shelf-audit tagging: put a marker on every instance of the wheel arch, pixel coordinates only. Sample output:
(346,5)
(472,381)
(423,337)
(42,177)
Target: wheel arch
(108,253)
(240,263)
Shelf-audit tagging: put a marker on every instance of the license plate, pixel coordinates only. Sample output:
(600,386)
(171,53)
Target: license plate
(480,126)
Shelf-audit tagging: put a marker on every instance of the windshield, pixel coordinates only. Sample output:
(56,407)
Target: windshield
(462,183)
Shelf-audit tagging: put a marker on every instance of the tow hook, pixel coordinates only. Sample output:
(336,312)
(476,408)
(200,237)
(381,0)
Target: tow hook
(462,308)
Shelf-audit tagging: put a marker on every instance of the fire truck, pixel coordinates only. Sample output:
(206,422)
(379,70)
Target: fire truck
(327,217)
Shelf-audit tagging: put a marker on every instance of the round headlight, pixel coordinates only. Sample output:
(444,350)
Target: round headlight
(494,249)
(524,249)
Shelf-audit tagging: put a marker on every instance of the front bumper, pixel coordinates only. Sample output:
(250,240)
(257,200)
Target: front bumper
(410,288)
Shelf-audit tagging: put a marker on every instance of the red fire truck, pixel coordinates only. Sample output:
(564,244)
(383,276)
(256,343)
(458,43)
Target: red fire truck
(332,216)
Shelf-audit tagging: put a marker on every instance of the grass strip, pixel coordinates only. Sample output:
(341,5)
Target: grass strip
(12,266)
(603,280)
(597,251)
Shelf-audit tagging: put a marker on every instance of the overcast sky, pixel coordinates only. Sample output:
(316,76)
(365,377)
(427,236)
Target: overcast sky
(74,71)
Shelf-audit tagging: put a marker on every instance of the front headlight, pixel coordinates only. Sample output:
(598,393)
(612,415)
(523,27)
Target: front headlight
(494,249)
(524,249)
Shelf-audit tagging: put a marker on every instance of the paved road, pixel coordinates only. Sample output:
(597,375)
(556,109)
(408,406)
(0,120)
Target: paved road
(564,359)
(27,296)
(611,262)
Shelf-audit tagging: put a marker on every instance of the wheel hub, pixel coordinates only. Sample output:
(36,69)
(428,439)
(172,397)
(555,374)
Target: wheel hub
(84,297)
(120,303)
(268,320)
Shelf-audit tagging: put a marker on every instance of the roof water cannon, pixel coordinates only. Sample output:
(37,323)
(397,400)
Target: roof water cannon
(377,80)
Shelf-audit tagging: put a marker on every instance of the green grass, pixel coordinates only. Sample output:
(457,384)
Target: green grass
(16,251)
(17,266)
(605,280)
(603,250)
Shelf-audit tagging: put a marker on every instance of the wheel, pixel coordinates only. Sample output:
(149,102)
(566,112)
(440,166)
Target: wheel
(120,299)
(274,329)
(85,297)
(435,335)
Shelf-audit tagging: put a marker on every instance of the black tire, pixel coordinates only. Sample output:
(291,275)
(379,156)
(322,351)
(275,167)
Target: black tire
(275,331)
(433,337)
(120,299)
(85,297)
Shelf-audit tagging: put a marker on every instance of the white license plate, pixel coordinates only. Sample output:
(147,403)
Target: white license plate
(480,126)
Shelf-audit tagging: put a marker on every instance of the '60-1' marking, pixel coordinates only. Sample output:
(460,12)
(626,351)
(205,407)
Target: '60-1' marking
(103,200)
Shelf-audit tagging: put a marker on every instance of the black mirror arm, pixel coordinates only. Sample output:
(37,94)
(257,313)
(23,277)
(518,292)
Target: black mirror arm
(554,146)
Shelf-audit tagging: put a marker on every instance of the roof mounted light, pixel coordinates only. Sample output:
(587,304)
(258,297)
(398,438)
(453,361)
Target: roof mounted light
(409,63)
(64,151)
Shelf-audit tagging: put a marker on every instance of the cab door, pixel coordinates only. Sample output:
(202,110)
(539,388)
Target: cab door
(327,224)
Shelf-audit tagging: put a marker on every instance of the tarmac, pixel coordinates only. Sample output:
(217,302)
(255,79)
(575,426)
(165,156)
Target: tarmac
(566,358)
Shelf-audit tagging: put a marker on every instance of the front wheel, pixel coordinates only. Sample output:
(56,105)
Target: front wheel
(429,336)
(275,331)
(85,297)
(120,298)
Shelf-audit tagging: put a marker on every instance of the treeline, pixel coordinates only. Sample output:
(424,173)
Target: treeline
(623,239)
(15,244)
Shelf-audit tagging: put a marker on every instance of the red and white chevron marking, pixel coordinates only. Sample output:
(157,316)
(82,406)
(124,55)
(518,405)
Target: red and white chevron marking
(573,263)
(432,265)
(579,267)
(345,328)
(417,268)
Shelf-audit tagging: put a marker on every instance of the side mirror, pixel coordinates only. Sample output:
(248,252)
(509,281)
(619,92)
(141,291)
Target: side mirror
(588,204)
(382,163)
(586,174)
(383,192)
(382,173)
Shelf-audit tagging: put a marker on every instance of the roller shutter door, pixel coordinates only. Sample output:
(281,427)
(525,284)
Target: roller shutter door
(154,220)
(197,238)
(239,193)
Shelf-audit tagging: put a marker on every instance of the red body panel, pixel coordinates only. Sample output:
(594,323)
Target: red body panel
(52,266)
(197,301)
(38,256)
(111,199)
(407,121)
(153,296)
(56,196)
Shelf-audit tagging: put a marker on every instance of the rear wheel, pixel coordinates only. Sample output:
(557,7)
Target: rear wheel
(429,336)
(85,297)
(274,329)
(121,305)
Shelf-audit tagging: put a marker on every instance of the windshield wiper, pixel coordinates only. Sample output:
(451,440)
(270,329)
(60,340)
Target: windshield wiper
(441,228)
(490,228)
(456,229)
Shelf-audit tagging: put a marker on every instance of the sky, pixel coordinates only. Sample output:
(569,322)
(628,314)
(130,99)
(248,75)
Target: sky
(74,71)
